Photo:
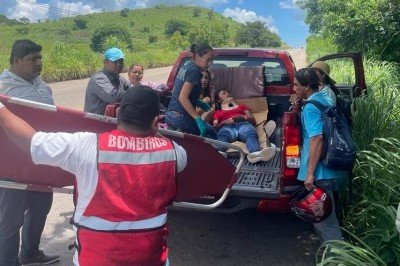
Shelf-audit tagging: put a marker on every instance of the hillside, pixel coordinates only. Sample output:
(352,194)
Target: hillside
(67,54)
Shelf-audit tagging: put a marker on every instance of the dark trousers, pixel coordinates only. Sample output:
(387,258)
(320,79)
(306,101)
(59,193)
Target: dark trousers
(18,208)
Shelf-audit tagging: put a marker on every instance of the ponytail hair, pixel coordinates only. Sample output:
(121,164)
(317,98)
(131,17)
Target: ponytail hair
(200,49)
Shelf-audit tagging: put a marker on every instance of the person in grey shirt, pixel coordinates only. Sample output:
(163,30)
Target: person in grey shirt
(106,86)
(22,208)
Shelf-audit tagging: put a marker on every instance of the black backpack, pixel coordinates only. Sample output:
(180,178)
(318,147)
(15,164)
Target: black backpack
(339,151)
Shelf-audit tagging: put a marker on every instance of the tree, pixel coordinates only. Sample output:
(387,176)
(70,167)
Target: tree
(24,20)
(80,22)
(174,25)
(370,26)
(255,34)
(100,35)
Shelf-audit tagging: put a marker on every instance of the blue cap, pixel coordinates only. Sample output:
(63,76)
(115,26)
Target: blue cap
(113,54)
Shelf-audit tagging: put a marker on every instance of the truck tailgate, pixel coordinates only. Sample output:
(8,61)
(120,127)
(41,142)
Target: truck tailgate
(259,180)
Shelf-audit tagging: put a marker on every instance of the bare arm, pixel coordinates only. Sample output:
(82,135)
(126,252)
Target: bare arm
(184,99)
(16,129)
(316,145)
(250,117)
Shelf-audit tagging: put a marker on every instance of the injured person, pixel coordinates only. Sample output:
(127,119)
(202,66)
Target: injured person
(236,122)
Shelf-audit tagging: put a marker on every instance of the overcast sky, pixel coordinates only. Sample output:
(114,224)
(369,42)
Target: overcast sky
(280,16)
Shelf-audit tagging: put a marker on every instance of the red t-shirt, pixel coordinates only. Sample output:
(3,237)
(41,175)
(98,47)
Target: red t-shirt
(223,115)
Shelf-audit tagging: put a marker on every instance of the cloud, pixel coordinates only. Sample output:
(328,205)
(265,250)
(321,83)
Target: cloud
(289,4)
(61,8)
(243,16)
(27,9)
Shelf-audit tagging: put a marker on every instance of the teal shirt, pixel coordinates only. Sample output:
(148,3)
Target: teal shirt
(312,125)
(329,94)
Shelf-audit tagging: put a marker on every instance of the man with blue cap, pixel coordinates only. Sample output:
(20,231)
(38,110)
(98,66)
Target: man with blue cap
(106,86)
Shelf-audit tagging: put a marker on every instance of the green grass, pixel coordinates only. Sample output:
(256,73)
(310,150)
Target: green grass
(318,47)
(68,56)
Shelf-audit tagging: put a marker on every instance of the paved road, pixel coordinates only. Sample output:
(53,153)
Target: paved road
(198,238)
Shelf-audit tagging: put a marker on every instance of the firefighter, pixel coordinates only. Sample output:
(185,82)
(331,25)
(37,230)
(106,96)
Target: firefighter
(125,181)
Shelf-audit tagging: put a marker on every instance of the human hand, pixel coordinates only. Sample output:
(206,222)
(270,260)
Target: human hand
(295,99)
(240,118)
(229,121)
(203,105)
(201,125)
(309,182)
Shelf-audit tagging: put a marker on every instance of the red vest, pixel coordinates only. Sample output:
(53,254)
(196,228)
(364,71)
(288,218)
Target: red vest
(136,183)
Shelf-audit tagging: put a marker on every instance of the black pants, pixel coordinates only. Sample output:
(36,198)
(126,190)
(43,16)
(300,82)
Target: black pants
(18,208)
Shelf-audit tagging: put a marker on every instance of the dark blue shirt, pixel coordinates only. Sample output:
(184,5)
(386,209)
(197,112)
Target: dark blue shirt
(189,72)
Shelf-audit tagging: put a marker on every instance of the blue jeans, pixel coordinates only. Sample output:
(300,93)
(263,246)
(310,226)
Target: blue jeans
(185,123)
(329,228)
(242,131)
(26,209)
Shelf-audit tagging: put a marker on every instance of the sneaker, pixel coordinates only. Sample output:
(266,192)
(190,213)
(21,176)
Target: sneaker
(39,258)
(269,127)
(265,154)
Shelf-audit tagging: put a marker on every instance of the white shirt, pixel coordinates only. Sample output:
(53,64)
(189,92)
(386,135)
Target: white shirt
(77,154)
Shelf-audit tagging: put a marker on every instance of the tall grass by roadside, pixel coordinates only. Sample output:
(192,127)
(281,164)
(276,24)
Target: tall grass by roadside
(74,61)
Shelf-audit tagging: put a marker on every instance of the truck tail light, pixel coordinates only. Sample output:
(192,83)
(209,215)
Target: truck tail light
(292,140)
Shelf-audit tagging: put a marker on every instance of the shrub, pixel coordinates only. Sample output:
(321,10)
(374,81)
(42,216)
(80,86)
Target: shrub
(132,23)
(145,29)
(80,22)
(210,14)
(196,12)
(177,42)
(113,41)
(64,33)
(124,12)
(22,30)
(153,38)
(101,34)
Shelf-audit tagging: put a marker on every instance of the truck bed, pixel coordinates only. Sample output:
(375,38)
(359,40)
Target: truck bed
(262,179)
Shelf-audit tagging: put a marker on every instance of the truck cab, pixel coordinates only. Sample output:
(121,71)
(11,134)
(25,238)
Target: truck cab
(268,185)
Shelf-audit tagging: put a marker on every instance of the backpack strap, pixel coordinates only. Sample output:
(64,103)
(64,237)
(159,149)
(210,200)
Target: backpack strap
(319,105)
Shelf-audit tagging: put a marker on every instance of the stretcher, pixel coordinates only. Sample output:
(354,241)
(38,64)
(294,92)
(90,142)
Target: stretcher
(207,175)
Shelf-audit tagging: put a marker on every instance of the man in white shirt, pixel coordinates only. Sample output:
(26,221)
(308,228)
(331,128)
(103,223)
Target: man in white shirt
(125,180)
(20,208)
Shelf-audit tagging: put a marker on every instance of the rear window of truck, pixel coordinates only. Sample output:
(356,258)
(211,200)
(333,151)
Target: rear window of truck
(274,73)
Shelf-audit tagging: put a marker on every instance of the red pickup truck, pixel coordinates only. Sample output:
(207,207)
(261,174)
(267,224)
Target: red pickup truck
(270,185)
